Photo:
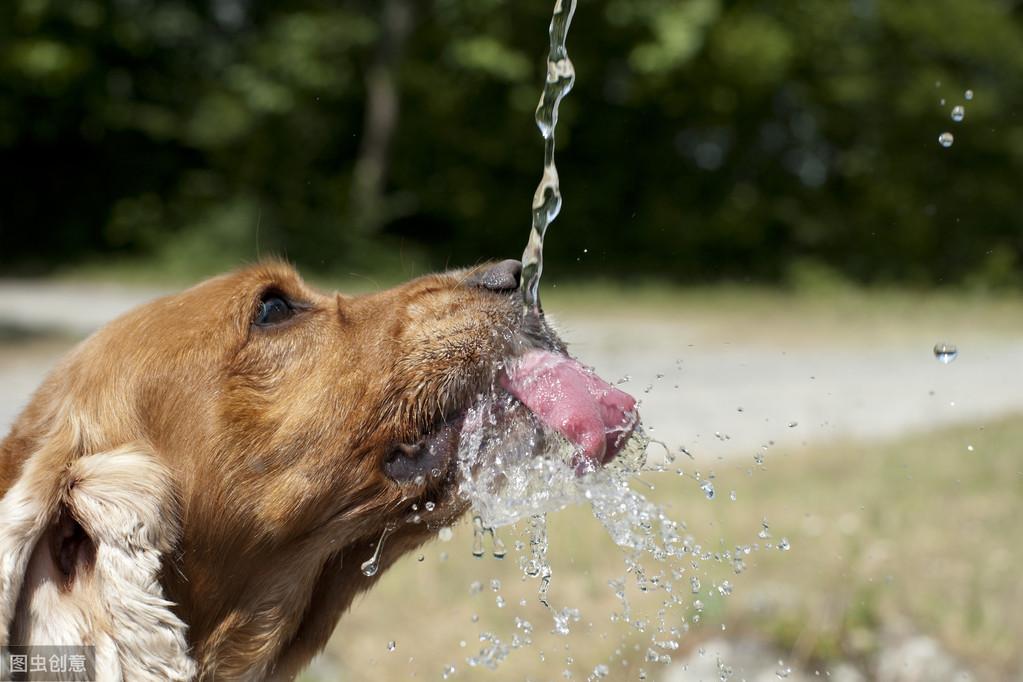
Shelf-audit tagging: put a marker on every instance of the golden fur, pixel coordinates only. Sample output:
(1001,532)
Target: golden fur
(186,468)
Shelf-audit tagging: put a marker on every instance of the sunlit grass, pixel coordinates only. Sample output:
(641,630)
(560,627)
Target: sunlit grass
(917,535)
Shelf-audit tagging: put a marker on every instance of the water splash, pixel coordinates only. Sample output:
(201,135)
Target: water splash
(512,469)
(547,199)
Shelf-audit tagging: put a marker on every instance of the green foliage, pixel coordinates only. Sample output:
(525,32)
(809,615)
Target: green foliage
(705,140)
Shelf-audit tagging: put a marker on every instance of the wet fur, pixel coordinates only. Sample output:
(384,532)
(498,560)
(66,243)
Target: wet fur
(193,493)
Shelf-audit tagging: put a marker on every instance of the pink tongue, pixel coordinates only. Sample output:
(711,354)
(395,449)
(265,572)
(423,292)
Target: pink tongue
(593,415)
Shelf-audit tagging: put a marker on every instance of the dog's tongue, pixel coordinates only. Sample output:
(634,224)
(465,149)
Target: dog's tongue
(593,415)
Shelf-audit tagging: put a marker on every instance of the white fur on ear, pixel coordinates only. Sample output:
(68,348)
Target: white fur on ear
(123,501)
(25,512)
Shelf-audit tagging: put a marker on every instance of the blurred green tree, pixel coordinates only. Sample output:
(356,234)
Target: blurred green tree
(705,140)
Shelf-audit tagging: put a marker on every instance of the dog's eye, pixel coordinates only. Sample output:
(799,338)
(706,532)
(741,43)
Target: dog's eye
(272,310)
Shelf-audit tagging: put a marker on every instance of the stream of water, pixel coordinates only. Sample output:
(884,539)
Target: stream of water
(514,472)
(547,199)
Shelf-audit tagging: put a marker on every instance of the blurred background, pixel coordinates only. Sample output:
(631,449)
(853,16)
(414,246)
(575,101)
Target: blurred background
(705,140)
(762,235)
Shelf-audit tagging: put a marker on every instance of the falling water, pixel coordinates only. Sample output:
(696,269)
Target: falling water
(372,565)
(479,534)
(945,352)
(514,472)
(547,199)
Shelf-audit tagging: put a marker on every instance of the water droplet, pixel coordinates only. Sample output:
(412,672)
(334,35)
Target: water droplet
(694,585)
(563,618)
(793,425)
(969,448)
(708,489)
(731,496)
(477,537)
(783,671)
(445,534)
(783,544)
(968,95)
(725,588)
(499,549)
(392,645)
(945,352)
(449,670)
(430,506)
(601,671)
(372,565)
(958,112)
(946,139)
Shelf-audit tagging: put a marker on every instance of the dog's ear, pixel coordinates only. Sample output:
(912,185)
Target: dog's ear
(82,544)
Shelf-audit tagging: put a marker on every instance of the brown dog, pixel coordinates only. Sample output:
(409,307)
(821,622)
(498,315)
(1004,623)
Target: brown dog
(194,488)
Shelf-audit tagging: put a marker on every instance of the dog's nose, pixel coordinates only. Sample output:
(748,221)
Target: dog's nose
(501,277)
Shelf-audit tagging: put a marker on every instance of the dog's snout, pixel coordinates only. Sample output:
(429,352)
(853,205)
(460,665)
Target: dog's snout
(500,277)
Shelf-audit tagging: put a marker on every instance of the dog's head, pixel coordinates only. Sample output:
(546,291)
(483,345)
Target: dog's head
(248,442)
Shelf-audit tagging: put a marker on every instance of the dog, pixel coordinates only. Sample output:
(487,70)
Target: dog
(195,488)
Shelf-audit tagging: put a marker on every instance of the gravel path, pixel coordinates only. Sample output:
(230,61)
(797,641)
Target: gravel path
(734,397)
(731,397)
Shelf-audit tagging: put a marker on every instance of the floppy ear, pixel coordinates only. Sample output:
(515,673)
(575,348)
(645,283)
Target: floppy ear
(81,549)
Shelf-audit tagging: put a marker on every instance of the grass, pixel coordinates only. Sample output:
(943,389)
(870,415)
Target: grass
(917,535)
